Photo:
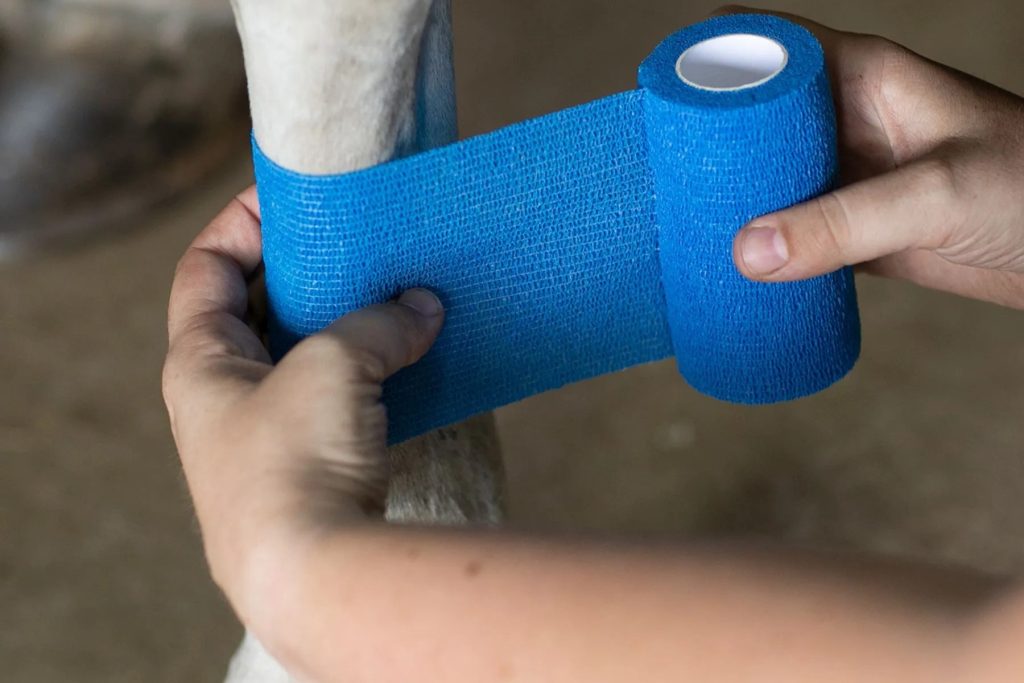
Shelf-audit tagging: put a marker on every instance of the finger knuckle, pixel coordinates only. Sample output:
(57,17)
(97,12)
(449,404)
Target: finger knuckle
(400,331)
(410,330)
(173,381)
(938,177)
(890,57)
(881,46)
(892,67)
(334,354)
(836,235)
(168,377)
(186,266)
(209,335)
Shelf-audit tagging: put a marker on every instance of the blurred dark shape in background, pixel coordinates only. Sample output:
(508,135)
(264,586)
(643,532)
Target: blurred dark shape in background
(108,108)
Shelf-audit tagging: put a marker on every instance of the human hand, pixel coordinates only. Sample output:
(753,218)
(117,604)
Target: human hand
(932,163)
(270,452)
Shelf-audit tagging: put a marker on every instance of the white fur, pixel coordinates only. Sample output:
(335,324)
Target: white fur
(331,81)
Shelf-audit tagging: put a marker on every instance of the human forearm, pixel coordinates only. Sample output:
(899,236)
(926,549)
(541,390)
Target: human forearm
(404,604)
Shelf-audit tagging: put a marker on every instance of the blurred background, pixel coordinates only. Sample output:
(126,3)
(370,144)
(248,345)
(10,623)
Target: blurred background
(107,111)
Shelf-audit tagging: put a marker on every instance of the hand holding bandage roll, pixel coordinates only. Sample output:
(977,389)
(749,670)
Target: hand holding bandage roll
(740,122)
(589,240)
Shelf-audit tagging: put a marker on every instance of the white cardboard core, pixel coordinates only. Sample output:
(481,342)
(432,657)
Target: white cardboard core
(731,62)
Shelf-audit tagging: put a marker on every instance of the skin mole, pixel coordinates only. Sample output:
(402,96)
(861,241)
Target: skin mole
(473,568)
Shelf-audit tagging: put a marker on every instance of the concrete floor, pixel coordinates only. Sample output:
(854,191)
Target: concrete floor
(919,452)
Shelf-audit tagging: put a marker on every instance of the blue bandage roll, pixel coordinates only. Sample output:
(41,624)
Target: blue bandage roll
(589,240)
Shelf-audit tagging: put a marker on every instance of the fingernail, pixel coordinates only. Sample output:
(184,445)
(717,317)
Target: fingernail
(763,249)
(423,301)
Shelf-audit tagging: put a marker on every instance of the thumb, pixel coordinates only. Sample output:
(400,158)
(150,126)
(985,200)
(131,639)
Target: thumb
(327,392)
(912,207)
(385,338)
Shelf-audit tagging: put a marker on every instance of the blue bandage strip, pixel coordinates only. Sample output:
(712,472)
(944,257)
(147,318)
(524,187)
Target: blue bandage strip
(581,243)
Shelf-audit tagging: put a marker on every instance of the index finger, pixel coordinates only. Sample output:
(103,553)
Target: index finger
(210,280)
(209,296)
(211,350)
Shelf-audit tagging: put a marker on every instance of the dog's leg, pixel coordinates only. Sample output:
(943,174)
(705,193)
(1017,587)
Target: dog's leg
(336,86)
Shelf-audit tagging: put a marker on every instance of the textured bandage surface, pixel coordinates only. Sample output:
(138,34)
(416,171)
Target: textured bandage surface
(583,242)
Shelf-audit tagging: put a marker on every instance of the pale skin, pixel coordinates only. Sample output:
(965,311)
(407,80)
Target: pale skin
(287,467)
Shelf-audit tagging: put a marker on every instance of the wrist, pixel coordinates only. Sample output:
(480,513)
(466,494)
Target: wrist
(277,589)
(257,547)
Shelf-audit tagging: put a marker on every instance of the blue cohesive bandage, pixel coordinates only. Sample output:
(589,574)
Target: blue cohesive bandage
(586,241)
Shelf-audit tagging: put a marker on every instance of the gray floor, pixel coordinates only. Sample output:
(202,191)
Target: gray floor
(920,452)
